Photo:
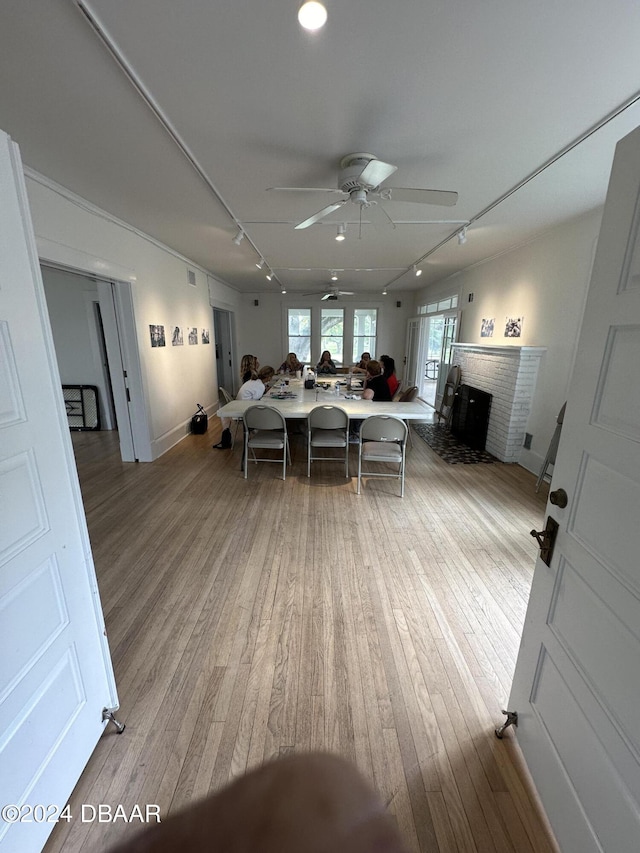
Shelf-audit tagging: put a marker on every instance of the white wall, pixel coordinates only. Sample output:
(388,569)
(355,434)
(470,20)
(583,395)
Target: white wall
(545,282)
(262,329)
(73,233)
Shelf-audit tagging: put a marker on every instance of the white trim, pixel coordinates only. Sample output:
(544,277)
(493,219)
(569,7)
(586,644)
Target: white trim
(88,207)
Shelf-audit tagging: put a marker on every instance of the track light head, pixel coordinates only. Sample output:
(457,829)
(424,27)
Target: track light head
(462,236)
(417,270)
(283,291)
(384,292)
(239,237)
(334,275)
(340,236)
(269,275)
(260,263)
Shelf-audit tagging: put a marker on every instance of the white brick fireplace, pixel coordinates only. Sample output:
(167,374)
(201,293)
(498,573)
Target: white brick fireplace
(509,374)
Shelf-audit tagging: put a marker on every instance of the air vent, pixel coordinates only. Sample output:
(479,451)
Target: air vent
(191,277)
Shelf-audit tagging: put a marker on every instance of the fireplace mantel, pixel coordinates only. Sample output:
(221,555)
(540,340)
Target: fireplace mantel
(514,351)
(509,373)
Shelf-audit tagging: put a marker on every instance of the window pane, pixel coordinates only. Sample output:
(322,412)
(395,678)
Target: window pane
(365,322)
(332,332)
(299,322)
(301,347)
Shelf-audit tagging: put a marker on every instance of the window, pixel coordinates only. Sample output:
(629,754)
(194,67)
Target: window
(439,307)
(364,332)
(300,333)
(332,332)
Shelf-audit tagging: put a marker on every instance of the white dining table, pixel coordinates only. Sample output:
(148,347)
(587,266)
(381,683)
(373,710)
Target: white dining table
(306,399)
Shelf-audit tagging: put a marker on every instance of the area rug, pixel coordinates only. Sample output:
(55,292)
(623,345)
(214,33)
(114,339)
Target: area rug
(448,447)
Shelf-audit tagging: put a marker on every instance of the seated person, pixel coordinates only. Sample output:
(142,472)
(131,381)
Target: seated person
(291,364)
(326,364)
(389,373)
(252,389)
(361,366)
(376,389)
(249,364)
(376,386)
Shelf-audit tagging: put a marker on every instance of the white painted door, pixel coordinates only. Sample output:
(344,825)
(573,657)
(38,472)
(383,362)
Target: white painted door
(55,669)
(411,357)
(577,682)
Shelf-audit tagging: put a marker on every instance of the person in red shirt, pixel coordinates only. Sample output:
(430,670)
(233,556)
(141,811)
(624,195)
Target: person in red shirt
(389,371)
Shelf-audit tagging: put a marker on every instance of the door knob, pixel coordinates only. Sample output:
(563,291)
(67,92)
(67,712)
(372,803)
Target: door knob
(559,498)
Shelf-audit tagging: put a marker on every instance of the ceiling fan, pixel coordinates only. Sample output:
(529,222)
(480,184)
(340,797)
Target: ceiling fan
(361,176)
(334,293)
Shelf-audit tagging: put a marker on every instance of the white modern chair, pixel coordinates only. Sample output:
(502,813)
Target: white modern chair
(265,429)
(227,398)
(383,439)
(327,426)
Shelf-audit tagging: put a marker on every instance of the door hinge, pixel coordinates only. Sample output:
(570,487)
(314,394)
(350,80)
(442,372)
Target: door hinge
(128,395)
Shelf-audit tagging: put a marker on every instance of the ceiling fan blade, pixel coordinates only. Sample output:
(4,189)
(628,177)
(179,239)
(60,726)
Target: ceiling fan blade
(326,296)
(443,197)
(320,214)
(304,190)
(375,172)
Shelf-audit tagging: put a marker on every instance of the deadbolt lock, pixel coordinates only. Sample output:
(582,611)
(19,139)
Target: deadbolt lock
(546,539)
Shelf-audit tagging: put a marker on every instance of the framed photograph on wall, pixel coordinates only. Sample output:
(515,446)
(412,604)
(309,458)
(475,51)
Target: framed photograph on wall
(193,335)
(177,338)
(513,327)
(205,336)
(156,333)
(487,327)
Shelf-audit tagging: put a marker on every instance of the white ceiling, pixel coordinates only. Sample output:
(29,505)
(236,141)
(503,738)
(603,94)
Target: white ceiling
(472,97)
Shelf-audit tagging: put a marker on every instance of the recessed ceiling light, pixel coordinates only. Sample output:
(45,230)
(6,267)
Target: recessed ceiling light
(312,15)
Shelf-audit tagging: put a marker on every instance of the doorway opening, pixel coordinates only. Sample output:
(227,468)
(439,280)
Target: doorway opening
(95,340)
(429,340)
(223,336)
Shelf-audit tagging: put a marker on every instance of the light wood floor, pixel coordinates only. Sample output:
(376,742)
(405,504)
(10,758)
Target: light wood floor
(247,619)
